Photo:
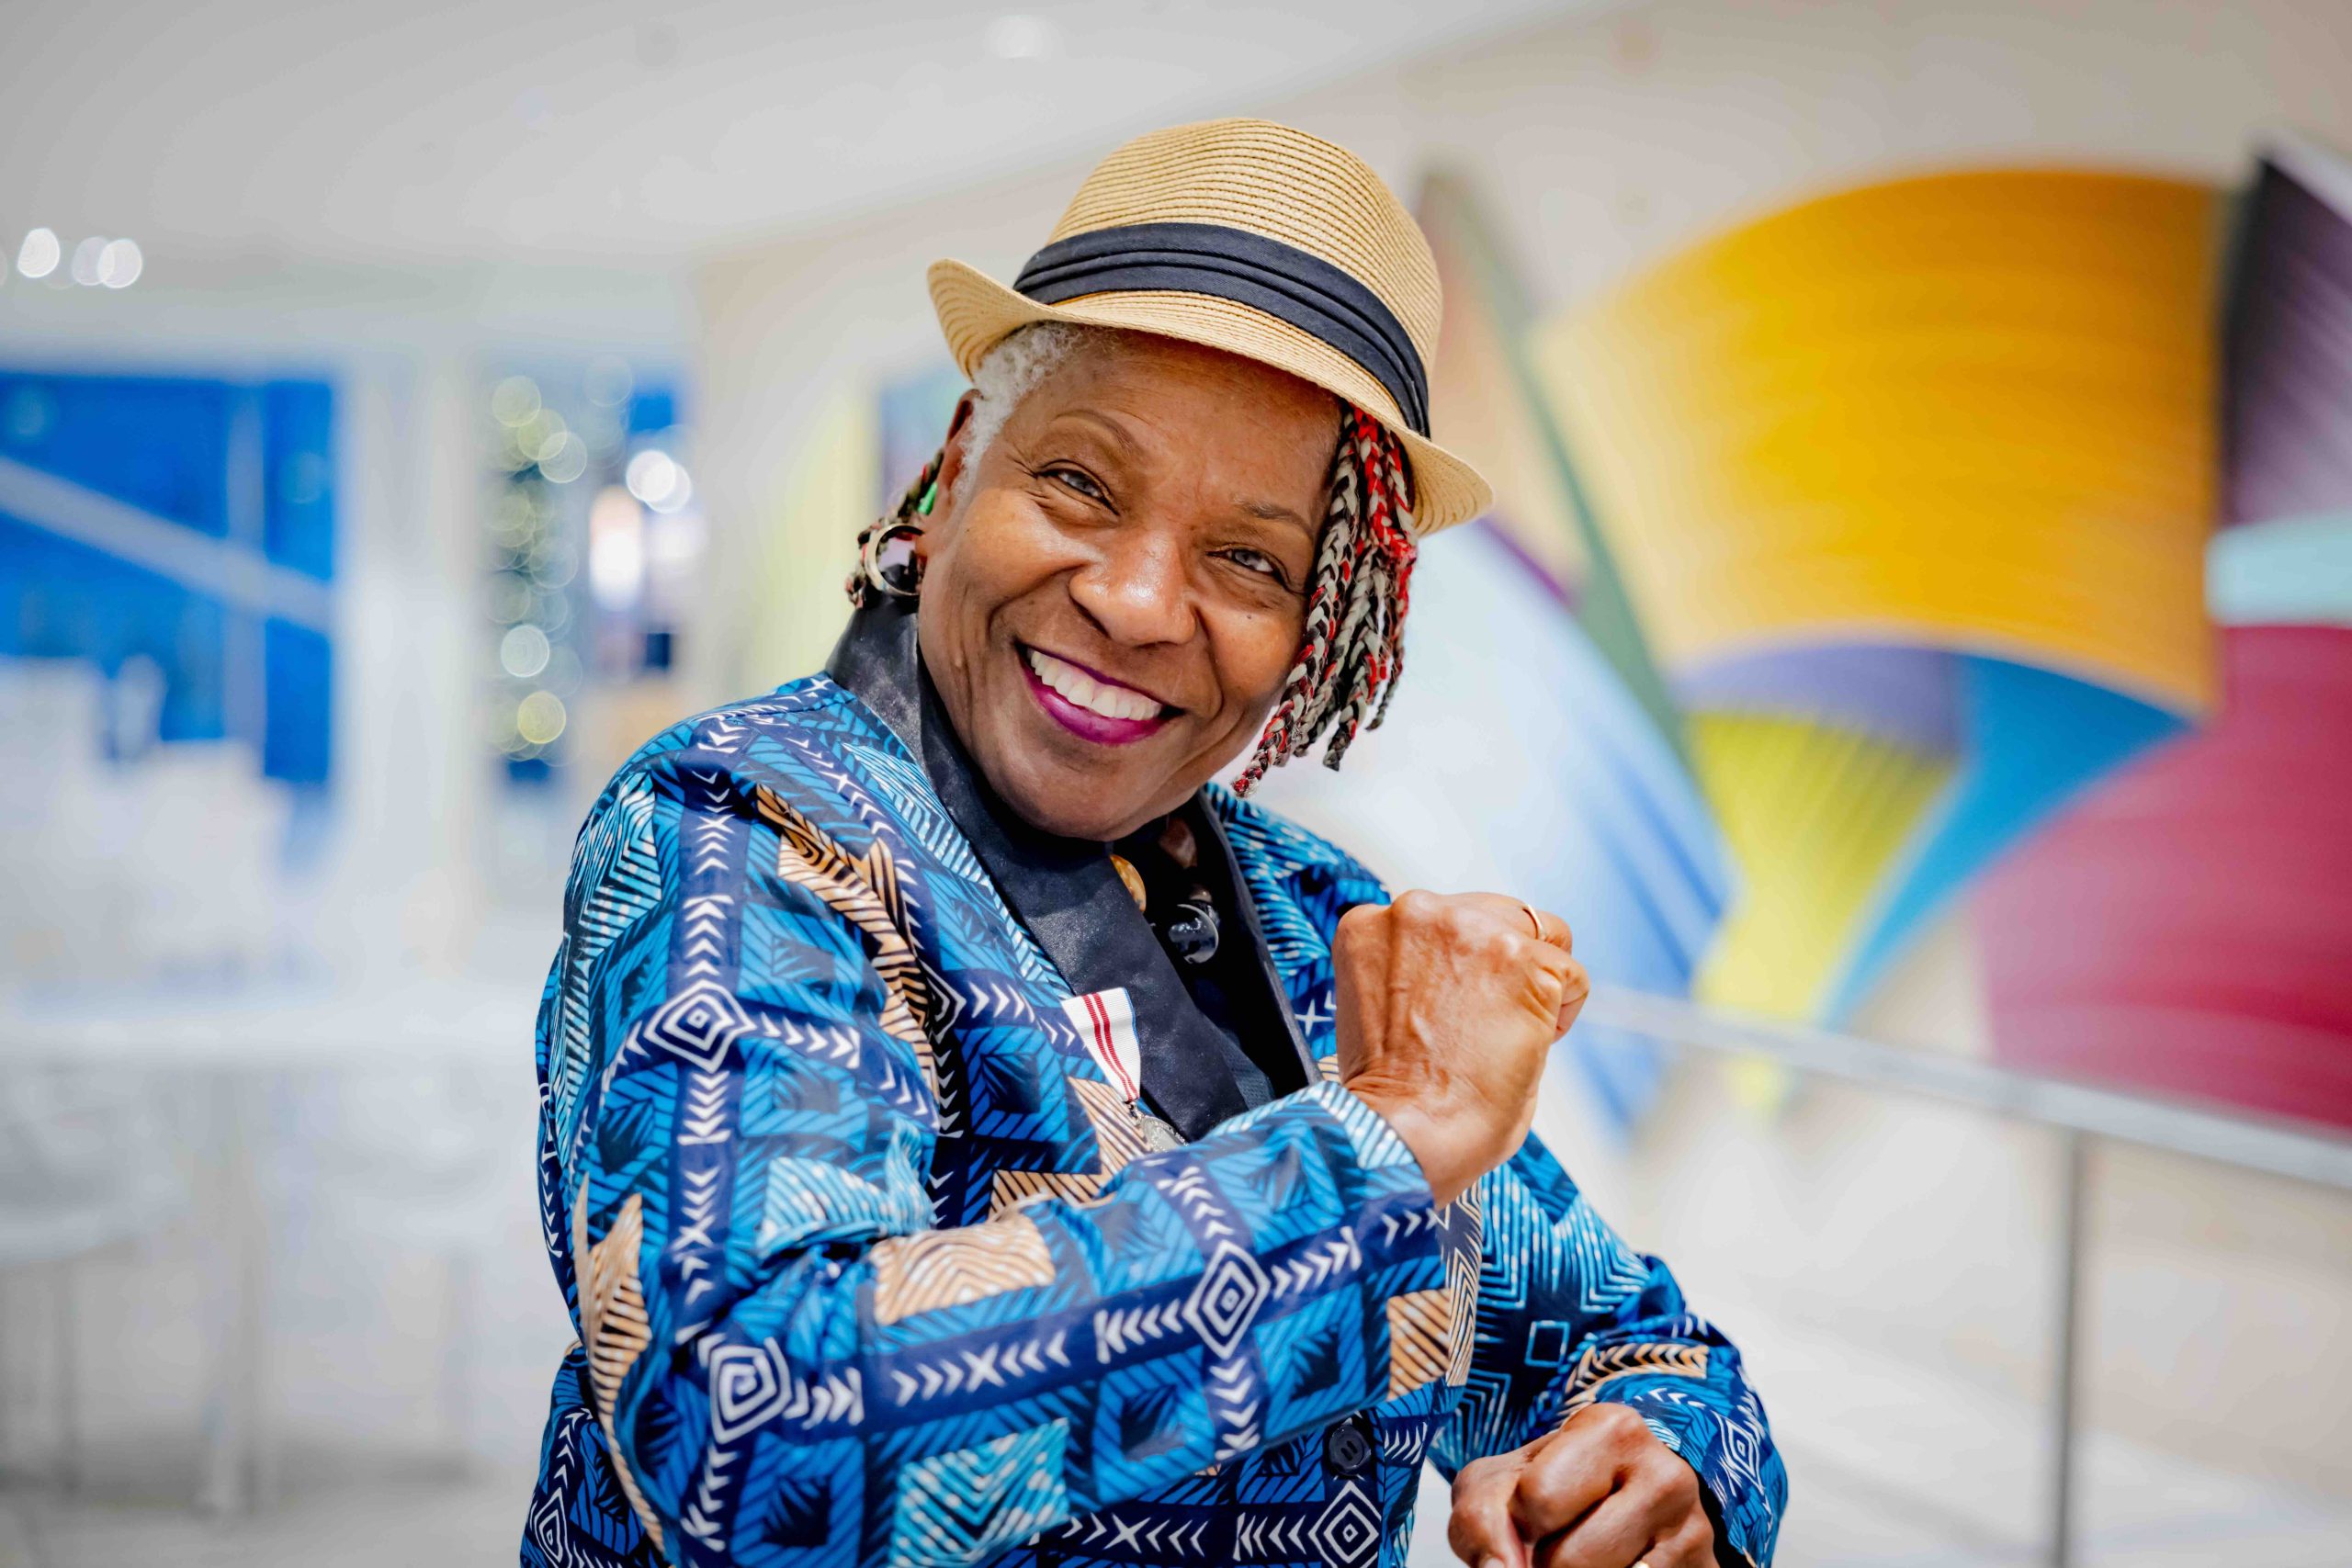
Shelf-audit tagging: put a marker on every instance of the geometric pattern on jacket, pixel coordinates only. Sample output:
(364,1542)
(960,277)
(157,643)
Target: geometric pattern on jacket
(869,1266)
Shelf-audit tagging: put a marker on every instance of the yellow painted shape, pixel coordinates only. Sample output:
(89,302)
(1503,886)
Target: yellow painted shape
(1814,816)
(1970,409)
(809,542)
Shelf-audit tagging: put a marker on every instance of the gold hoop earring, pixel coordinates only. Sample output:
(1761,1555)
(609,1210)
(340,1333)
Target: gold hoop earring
(887,564)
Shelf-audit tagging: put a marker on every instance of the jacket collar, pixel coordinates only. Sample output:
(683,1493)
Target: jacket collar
(1065,890)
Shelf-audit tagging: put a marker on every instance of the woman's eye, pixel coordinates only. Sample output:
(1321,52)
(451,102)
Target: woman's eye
(1258,561)
(1079,480)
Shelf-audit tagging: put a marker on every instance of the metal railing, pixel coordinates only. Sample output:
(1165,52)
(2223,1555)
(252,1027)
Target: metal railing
(2076,1113)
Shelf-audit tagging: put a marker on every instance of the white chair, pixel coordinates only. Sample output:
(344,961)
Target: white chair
(416,1161)
(88,1163)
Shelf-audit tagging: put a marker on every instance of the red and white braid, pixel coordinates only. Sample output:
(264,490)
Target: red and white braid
(1354,648)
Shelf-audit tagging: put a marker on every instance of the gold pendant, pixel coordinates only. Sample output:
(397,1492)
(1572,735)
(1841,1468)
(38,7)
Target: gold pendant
(1131,876)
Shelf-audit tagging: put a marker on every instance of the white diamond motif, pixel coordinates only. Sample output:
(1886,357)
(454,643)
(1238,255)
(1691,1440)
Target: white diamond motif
(1349,1530)
(1226,1301)
(699,1023)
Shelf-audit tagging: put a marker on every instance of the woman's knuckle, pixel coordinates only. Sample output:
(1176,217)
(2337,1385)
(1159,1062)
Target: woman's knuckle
(1693,1543)
(1543,1490)
(1616,1422)
(1477,1471)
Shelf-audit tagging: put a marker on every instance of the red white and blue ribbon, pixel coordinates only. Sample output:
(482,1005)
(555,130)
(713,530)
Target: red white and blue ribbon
(1107,1021)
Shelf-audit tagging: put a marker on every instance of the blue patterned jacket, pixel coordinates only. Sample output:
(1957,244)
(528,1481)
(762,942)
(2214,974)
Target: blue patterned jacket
(871,1264)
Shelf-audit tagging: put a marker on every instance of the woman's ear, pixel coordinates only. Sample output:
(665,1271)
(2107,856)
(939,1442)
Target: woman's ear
(952,464)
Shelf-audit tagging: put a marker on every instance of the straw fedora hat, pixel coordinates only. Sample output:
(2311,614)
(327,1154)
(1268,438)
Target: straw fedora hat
(1256,238)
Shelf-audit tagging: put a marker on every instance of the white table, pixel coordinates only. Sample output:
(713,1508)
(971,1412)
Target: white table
(229,1044)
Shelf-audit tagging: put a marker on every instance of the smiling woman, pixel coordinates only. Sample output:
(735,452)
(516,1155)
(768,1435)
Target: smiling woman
(972,1134)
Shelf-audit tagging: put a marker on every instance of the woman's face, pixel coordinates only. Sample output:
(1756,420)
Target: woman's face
(1115,593)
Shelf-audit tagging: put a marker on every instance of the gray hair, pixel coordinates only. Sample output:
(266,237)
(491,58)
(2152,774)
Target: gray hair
(1010,372)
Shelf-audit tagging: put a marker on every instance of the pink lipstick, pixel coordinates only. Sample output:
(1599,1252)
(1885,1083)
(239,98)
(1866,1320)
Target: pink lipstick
(1091,705)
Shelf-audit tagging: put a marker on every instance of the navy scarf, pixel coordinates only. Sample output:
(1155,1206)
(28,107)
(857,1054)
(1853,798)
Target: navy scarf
(1066,894)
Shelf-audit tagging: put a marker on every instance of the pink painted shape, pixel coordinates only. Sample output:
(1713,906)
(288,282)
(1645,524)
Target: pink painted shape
(2186,929)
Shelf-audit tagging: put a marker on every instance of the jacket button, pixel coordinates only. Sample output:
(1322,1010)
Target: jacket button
(1346,1446)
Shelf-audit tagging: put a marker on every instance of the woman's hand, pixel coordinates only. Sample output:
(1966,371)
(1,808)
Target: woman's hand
(1602,1492)
(1448,1004)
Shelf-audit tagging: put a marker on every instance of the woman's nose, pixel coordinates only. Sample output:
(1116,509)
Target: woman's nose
(1136,590)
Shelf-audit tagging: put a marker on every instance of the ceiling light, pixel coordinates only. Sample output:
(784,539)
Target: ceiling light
(119,263)
(38,257)
(1024,37)
(85,260)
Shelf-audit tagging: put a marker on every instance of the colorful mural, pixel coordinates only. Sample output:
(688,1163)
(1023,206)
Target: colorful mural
(1906,498)
(2187,928)
(1914,489)
(1903,618)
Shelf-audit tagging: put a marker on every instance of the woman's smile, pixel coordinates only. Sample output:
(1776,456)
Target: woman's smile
(1089,704)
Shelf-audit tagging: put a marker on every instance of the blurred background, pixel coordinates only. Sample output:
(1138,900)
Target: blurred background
(1913,643)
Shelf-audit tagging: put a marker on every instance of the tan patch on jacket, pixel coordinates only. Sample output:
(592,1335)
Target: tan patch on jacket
(1117,1135)
(1601,1363)
(1008,1190)
(1420,1339)
(1462,1286)
(864,890)
(1434,1333)
(614,1327)
(951,1267)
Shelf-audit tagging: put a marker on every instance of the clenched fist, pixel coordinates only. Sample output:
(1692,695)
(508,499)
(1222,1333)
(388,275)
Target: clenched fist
(1602,1492)
(1448,1005)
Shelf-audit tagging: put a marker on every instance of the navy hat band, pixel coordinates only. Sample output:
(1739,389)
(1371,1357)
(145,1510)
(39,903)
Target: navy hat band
(1287,283)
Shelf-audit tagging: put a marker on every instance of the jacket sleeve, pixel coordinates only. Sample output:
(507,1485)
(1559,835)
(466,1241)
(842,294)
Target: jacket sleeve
(1569,1314)
(782,1350)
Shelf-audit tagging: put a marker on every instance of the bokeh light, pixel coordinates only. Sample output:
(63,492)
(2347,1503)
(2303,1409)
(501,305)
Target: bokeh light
(514,401)
(523,651)
(564,458)
(615,548)
(120,263)
(85,260)
(539,717)
(38,256)
(659,480)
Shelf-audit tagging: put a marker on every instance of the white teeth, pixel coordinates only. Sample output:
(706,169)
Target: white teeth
(1077,687)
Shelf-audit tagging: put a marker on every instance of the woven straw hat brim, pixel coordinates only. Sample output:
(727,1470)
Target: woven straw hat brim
(975,312)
